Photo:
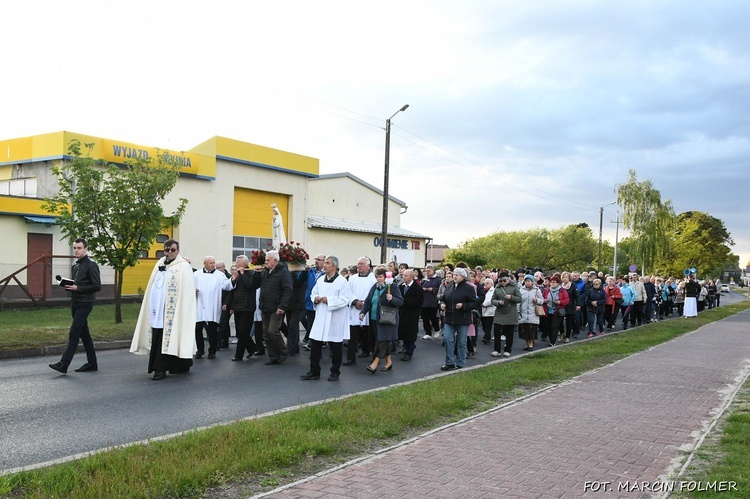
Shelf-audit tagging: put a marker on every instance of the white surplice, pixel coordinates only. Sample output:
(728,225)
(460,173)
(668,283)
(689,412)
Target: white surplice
(332,318)
(359,287)
(208,300)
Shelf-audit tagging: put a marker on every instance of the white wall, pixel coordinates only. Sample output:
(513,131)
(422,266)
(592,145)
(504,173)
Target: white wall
(342,197)
(207,226)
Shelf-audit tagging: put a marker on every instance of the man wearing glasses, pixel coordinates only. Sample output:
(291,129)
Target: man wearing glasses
(168,313)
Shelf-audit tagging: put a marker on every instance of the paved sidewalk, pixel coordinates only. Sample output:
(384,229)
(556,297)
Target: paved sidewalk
(627,423)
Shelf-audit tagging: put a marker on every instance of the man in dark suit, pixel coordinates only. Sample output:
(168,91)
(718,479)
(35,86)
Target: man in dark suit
(409,313)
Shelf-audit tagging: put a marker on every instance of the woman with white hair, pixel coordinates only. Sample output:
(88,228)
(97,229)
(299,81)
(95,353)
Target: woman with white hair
(457,302)
(528,322)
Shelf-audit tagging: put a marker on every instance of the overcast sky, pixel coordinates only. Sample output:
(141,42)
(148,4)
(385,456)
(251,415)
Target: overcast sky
(522,114)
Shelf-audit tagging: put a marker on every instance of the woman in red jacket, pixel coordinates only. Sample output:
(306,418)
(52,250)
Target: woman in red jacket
(614,295)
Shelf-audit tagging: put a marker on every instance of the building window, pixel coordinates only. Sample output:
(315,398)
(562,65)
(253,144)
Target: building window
(25,187)
(244,245)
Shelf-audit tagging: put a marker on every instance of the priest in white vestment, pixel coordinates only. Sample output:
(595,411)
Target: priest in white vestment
(331,299)
(208,284)
(166,324)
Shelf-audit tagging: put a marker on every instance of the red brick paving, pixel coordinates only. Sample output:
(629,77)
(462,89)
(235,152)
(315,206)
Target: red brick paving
(623,423)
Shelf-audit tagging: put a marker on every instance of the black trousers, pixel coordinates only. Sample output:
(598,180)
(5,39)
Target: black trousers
(637,312)
(243,324)
(430,320)
(358,335)
(292,324)
(316,352)
(224,329)
(506,330)
(627,311)
(550,327)
(212,331)
(571,326)
(309,320)
(79,330)
(610,314)
(487,323)
(158,361)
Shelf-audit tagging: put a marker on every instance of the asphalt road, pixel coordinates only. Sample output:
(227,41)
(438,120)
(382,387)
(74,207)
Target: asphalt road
(45,416)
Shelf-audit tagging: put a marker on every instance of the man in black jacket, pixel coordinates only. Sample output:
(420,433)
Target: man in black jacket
(275,297)
(87,279)
(241,302)
(408,325)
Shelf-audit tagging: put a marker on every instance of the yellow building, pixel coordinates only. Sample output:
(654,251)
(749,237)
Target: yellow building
(230,186)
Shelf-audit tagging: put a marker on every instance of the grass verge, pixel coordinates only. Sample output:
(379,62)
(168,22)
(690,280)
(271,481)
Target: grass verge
(725,455)
(43,327)
(261,451)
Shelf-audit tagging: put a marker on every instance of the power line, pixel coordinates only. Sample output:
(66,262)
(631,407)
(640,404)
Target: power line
(480,170)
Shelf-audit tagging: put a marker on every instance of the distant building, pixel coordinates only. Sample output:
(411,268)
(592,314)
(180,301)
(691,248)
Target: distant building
(435,253)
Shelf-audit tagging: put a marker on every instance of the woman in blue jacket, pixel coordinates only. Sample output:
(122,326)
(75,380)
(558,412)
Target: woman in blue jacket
(628,298)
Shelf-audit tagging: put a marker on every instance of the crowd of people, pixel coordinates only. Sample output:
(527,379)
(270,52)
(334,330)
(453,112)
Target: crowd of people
(375,313)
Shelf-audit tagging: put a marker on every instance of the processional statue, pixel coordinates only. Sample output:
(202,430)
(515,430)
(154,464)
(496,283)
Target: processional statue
(277,226)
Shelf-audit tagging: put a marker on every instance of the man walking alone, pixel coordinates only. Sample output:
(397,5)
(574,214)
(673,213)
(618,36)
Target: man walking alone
(87,279)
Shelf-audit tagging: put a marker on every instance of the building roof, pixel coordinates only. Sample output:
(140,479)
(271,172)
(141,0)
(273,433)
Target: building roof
(357,226)
(198,162)
(359,181)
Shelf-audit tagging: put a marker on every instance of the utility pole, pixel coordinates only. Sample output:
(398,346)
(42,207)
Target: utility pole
(617,237)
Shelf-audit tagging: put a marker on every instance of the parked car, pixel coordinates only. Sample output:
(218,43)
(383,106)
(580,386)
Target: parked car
(725,288)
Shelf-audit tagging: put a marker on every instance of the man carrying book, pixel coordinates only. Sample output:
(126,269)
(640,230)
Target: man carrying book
(86,282)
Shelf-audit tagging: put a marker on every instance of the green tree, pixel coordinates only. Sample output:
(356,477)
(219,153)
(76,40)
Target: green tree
(576,248)
(116,209)
(567,248)
(701,241)
(648,218)
(625,256)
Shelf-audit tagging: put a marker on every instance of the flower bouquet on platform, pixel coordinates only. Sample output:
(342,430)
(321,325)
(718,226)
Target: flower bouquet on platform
(258,258)
(294,255)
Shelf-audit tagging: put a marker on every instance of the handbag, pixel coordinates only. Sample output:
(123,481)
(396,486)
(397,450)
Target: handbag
(388,315)
(540,310)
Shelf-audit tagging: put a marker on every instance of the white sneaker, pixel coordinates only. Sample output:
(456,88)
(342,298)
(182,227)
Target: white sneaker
(502,338)
(495,354)
(437,334)
(427,337)
(506,354)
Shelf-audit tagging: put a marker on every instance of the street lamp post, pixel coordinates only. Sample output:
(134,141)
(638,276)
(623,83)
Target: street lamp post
(617,237)
(601,221)
(384,231)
